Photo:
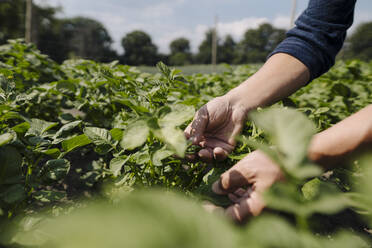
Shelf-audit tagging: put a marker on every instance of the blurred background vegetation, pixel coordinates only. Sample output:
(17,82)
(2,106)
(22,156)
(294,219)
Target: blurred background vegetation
(81,37)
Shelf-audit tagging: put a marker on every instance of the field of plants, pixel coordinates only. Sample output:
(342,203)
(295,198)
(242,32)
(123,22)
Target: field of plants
(92,155)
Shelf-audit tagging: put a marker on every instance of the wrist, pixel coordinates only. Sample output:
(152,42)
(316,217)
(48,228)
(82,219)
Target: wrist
(241,97)
(314,153)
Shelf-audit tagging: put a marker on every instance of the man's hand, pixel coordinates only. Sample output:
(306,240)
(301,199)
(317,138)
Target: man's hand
(215,127)
(216,124)
(245,182)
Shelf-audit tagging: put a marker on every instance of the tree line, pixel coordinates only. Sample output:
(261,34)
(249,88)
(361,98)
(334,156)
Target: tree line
(81,37)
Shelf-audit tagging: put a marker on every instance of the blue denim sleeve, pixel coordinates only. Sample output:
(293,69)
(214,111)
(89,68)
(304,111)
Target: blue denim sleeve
(319,34)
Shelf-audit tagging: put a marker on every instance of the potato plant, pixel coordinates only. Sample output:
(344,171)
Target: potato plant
(78,137)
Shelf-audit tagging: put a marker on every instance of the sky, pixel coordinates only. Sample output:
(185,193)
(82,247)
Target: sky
(166,20)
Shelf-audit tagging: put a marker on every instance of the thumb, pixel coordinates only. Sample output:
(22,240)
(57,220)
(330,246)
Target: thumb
(230,181)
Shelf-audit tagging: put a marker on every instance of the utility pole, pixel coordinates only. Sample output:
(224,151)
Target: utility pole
(293,15)
(214,41)
(28,24)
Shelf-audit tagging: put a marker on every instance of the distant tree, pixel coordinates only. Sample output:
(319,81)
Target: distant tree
(163,58)
(180,45)
(227,51)
(205,49)
(49,37)
(258,43)
(360,43)
(86,38)
(180,52)
(60,39)
(12,20)
(180,59)
(139,49)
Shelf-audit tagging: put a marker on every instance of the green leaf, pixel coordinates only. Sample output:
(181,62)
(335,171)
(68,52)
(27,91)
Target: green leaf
(130,223)
(163,69)
(161,154)
(13,194)
(54,152)
(66,87)
(178,116)
(142,157)
(75,142)
(65,129)
(21,128)
(289,130)
(103,149)
(311,188)
(174,138)
(39,127)
(10,116)
(326,200)
(136,107)
(272,231)
(117,163)
(135,135)
(344,240)
(99,136)
(56,169)
(117,134)
(47,196)
(6,138)
(10,166)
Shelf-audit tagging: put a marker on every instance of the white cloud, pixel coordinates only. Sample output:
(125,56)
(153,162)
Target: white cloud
(237,28)
(157,10)
(195,36)
(282,22)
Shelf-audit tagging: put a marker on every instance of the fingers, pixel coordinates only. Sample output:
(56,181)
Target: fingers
(247,206)
(219,154)
(208,154)
(216,142)
(239,194)
(214,149)
(231,180)
(233,198)
(195,130)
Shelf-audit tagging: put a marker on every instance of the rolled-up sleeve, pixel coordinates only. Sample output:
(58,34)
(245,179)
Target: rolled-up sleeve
(319,34)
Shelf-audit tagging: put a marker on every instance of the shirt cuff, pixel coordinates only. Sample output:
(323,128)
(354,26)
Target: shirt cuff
(305,53)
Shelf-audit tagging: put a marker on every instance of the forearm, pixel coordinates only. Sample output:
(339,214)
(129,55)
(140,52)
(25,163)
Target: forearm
(329,146)
(278,78)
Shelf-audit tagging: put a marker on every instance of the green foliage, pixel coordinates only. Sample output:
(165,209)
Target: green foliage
(145,219)
(89,130)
